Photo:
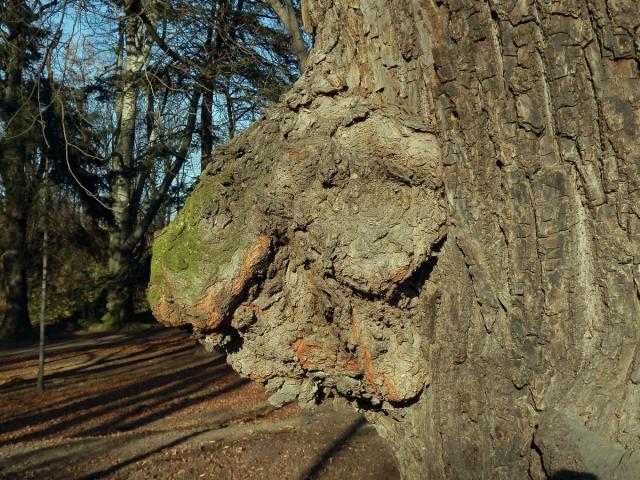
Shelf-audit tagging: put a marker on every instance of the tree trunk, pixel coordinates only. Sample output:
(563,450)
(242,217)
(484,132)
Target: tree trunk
(206,128)
(45,273)
(120,292)
(441,223)
(289,19)
(16,148)
(15,323)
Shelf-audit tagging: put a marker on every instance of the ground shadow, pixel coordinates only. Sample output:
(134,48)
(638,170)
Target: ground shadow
(114,468)
(571,475)
(167,388)
(115,391)
(96,365)
(90,342)
(337,445)
(152,413)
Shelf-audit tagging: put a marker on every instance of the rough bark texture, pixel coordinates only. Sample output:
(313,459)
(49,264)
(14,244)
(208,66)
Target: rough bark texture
(440,223)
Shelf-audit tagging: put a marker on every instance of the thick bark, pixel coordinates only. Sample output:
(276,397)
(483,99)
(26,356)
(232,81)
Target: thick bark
(439,223)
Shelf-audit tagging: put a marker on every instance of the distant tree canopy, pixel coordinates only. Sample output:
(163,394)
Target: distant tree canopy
(121,104)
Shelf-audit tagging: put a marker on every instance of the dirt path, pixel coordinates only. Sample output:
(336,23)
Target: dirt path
(152,405)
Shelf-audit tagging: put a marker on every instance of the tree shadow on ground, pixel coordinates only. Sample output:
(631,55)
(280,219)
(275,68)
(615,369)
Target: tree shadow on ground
(313,471)
(119,466)
(137,446)
(165,388)
(114,413)
(90,342)
(122,391)
(96,365)
(105,430)
(153,413)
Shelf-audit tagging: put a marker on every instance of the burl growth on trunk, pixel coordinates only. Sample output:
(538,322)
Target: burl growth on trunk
(304,249)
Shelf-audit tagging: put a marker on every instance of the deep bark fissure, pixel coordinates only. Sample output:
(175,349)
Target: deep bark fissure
(413,285)
(539,453)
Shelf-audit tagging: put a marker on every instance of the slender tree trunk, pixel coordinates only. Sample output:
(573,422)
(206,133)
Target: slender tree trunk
(439,223)
(231,115)
(45,272)
(206,129)
(218,9)
(120,293)
(221,30)
(289,18)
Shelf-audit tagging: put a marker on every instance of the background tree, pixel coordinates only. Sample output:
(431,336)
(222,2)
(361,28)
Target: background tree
(290,18)
(439,223)
(19,51)
(31,138)
(117,97)
(195,75)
